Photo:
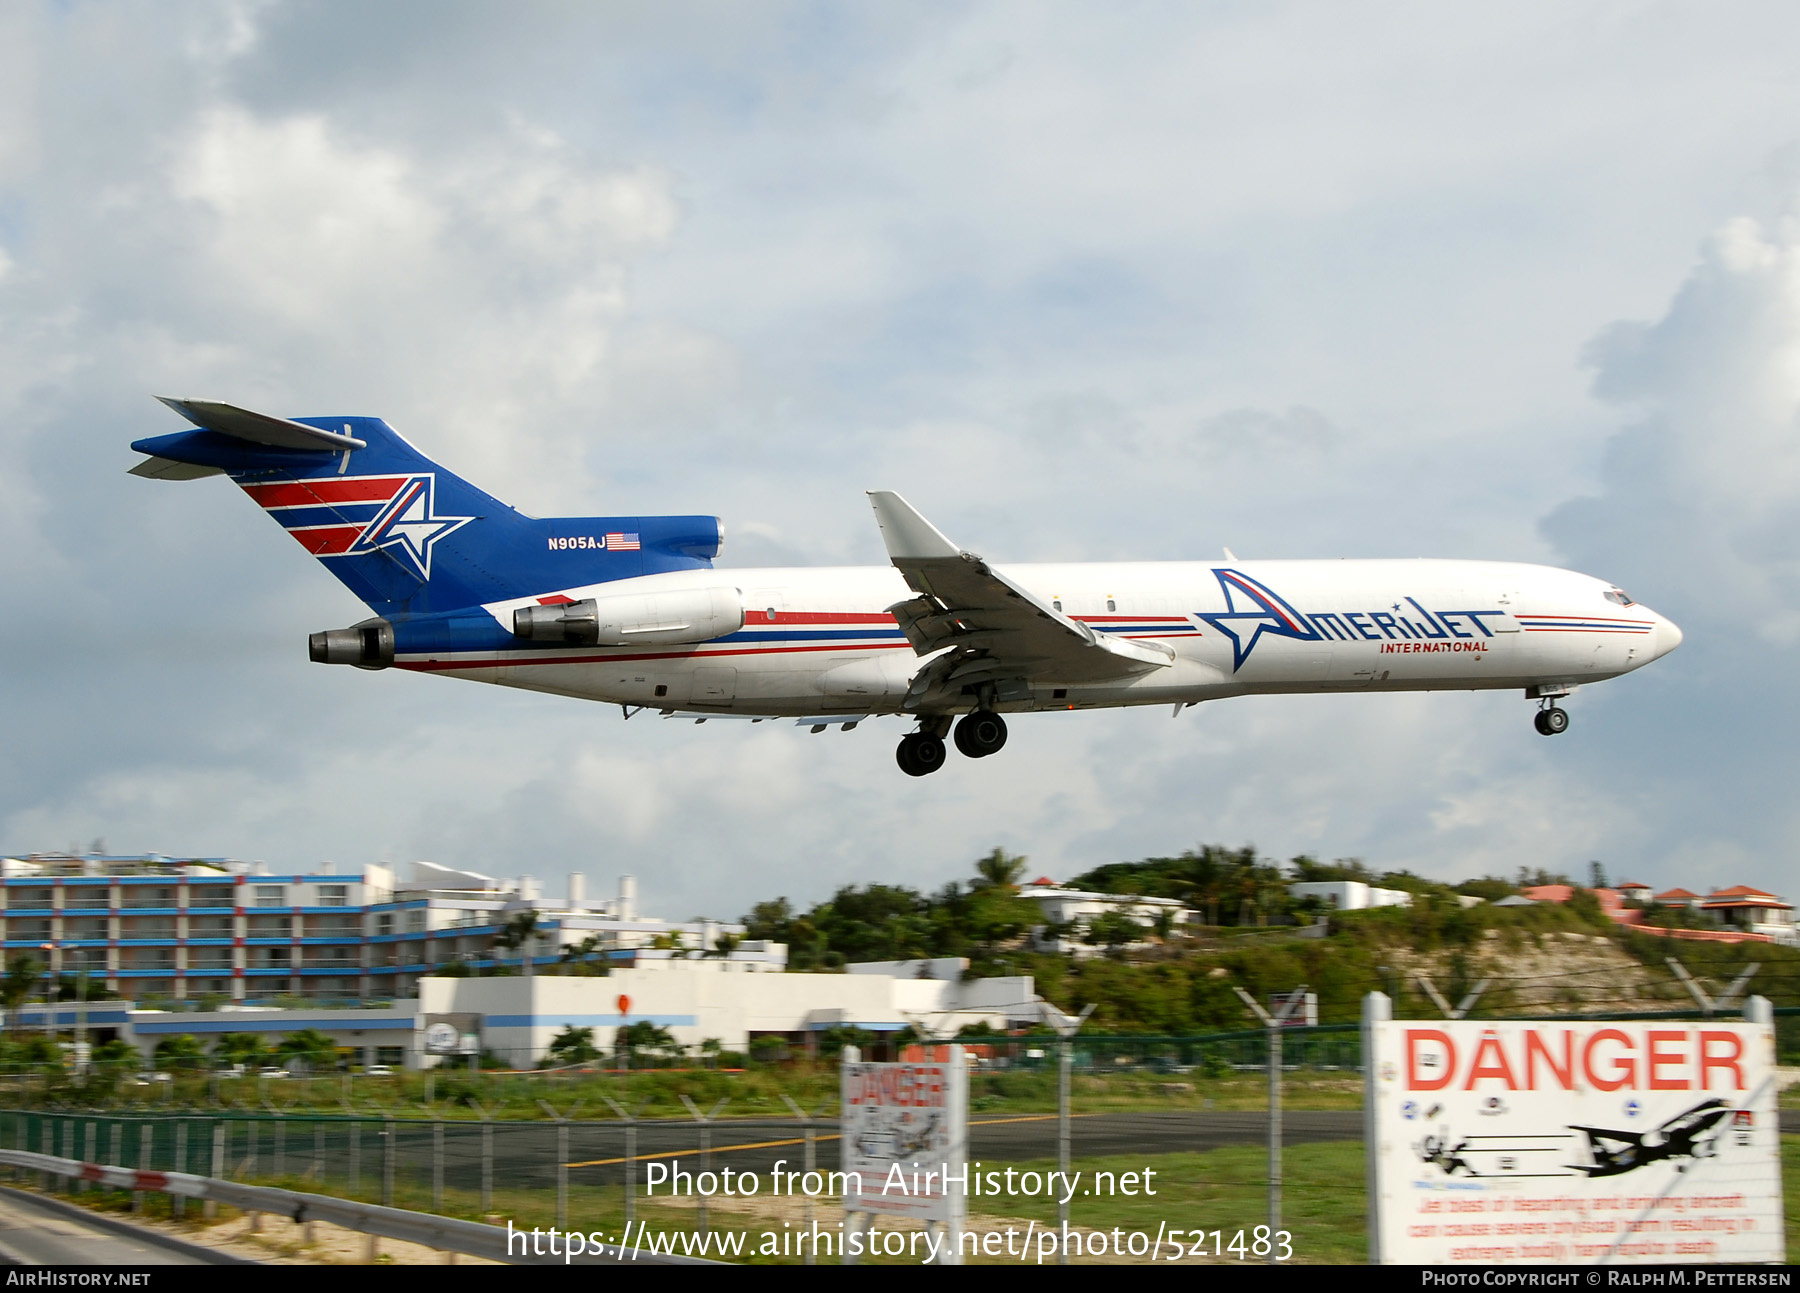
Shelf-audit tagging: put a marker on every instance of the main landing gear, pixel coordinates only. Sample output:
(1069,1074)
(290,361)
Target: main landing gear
(978,735)
(981,734)
(1550,720)
(920,753)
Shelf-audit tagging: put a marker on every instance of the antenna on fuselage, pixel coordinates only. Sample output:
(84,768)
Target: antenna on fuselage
(1230,555)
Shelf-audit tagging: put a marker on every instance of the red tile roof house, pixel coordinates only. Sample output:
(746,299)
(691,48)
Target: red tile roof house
(1751,909)
(1609,899)
(1548,892)
(1750,915)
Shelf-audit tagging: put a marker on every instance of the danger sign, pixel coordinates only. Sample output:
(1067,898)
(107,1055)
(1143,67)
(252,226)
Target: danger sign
(1575,1142)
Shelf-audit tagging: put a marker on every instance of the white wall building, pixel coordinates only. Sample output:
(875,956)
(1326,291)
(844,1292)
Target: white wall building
(1350,895)
(1078,907)
(701,1000)
(516,1018)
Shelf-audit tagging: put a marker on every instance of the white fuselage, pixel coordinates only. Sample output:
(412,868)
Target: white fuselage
(819,641)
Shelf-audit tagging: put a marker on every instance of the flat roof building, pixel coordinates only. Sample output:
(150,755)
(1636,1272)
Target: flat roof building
(190,929)
(514,1019)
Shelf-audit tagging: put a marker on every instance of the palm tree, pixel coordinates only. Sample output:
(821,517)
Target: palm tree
(310,1046)
(179,1051)
(573,1045)
(646,1038)
(116,1054)
(1271,893)
(724,945)
(999,870)
(1113,930)
(577,954)
(517,933)
(246,1049)
(16,985)
(1206,872)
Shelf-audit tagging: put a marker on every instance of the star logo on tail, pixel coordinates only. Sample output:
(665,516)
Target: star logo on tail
(1251,610)
(409,526)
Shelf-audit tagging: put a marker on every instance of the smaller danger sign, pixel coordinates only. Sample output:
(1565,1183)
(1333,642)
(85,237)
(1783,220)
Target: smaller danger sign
(906,1135)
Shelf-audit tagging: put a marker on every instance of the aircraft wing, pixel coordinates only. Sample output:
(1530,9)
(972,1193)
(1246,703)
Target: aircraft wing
(996,629)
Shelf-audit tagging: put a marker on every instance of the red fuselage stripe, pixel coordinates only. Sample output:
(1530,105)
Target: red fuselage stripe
(440,666)
(755,616)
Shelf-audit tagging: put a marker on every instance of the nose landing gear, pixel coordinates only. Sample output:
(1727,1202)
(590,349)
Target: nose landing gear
(1550,720)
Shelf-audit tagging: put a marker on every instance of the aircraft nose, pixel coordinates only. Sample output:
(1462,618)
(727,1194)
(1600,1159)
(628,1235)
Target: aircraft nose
(1668,635)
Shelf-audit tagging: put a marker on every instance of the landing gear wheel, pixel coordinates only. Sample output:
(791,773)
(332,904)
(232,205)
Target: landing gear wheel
(1552,721)
(981,734)
(920,753)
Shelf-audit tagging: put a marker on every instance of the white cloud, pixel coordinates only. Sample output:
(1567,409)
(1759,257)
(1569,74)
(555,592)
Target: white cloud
(1707,479)
(303,231)
(490,284)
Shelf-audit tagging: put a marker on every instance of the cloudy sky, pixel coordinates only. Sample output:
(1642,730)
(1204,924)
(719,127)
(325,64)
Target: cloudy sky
(1517,282)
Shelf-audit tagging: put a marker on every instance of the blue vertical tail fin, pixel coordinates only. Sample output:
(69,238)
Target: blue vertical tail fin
(407,536)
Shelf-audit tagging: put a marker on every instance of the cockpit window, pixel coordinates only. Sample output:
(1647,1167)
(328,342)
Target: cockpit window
(1618,596)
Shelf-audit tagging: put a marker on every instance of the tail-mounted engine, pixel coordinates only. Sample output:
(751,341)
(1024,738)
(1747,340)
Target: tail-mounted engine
(682,615)
(368,645)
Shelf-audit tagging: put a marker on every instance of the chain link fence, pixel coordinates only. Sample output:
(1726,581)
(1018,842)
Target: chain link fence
(594,1163)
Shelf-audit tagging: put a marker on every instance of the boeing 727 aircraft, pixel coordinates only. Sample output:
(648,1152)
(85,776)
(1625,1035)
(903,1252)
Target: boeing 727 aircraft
(631,610)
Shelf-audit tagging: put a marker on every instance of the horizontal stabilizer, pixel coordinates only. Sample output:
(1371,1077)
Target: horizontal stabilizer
(154,468)
(260,428)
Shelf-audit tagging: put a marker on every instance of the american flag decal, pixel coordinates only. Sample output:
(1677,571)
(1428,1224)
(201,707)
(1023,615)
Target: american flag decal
(622,543)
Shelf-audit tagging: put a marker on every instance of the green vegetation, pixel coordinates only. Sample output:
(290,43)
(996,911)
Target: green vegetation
(880,922)
(182,1051)
(1145,1083)
(20,981)
(308,1050)
(1176,981)
(30,1052)
(573,1045)
(517,935)
(1226,1190)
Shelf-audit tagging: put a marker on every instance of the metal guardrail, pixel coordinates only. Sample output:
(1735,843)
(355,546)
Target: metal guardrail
(446,1234)
(91,1220)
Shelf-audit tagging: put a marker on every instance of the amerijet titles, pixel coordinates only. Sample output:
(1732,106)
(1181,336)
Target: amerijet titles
(1253,609)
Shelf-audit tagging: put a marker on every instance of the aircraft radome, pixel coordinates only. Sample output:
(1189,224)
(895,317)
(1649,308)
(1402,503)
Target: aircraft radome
(630,609)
